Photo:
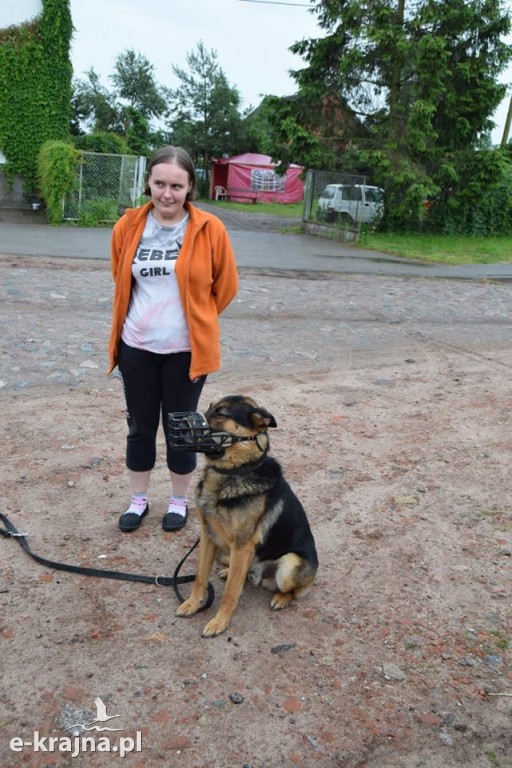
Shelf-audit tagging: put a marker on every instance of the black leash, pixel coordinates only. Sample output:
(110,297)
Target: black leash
(10,532)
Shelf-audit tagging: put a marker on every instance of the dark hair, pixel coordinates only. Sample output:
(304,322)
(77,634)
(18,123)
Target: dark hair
(176,155)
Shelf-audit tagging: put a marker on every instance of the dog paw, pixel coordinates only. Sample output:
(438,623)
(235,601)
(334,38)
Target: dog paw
(188,608)
(224,574)
(281,600)
(215,627)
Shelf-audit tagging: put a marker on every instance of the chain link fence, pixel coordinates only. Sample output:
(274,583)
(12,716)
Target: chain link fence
(338,204)
(106,185)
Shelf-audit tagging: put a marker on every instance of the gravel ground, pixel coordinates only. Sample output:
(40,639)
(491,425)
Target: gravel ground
(393,403)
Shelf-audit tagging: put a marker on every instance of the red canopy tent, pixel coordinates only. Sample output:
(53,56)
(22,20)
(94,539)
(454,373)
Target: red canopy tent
(251,177)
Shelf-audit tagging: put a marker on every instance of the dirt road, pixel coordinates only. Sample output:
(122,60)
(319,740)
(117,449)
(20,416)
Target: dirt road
(394,409)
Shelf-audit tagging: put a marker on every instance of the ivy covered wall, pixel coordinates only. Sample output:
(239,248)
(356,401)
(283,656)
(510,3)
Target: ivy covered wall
(35,88)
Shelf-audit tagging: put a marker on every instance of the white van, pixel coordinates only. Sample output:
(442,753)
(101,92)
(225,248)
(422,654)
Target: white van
(350,203)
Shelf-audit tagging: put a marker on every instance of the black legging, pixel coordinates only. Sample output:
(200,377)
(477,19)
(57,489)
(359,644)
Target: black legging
(155,385)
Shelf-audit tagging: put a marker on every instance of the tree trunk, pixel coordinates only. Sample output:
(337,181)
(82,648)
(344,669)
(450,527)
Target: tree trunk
(396,117)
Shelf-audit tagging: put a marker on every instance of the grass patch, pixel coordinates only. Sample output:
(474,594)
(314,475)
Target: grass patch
(286,210)
(441,248)
(501,641)
(491,756)
(445,249)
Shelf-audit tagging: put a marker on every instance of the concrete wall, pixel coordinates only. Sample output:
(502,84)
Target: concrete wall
(11,195)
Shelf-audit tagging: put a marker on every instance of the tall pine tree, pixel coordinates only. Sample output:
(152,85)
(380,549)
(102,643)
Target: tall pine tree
(204,114)
(423,79)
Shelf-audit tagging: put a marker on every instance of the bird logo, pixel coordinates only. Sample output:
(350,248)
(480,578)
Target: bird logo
(101,717)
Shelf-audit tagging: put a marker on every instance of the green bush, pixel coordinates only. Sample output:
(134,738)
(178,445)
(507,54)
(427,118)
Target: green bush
(100,211)
(476,195)
(57,176)
(102,142)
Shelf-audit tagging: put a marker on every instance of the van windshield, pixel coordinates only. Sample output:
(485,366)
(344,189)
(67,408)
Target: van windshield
(328,193)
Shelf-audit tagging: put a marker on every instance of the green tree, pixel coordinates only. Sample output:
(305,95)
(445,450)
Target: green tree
(142,99)
(205,115)
(131,108)
(135,84)
(95,108)
(422,78)
(283,129)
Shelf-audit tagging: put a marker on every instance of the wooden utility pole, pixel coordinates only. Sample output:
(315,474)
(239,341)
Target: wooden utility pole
(508,122)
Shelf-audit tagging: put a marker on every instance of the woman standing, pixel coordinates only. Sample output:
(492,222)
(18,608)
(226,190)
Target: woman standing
(174,272)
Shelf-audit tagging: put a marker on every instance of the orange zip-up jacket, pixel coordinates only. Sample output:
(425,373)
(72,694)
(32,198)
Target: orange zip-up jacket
(207,278)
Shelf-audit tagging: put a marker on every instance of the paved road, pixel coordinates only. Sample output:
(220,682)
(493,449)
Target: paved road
(286,319)
(259,243)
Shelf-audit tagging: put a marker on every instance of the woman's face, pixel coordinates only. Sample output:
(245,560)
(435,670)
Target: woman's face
(169,185)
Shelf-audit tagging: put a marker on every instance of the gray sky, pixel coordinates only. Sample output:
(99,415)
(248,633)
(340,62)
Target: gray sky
(251,39)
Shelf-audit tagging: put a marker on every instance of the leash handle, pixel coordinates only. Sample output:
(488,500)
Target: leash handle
(10,532)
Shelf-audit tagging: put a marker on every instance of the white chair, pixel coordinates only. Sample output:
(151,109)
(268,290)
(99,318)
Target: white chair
(220,193)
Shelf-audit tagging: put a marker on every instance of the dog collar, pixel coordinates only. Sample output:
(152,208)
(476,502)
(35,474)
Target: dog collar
(242,470)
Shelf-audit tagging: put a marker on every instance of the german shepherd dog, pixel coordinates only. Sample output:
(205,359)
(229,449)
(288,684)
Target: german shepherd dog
(249,517)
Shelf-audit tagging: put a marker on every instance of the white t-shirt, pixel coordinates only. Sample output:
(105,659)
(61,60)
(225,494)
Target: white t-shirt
(155,320)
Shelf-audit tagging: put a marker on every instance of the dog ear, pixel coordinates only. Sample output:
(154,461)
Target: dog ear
(262,418)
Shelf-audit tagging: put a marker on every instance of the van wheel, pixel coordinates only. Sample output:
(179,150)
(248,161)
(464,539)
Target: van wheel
(345,218)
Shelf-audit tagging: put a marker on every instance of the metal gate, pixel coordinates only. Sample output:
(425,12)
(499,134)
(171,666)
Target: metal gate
(106,185)
(338,204)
